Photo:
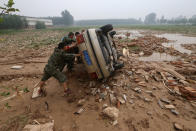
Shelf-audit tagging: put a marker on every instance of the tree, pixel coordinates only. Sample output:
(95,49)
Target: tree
(67,18)
(163,20)
(150,19)
(13,22)
(7,8)
(192,20)
(181,20)
(40,25)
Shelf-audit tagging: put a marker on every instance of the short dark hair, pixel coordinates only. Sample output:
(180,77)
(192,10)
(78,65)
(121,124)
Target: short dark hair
(77,33)
(61,45)
(70,34)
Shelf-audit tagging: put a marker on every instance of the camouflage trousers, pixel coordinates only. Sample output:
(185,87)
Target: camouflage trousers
(57,73)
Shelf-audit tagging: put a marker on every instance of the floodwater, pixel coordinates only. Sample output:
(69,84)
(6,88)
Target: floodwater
(158,57)
(177,41)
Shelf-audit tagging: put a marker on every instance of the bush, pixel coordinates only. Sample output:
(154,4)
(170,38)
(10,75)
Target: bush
(40,25)
(13,22)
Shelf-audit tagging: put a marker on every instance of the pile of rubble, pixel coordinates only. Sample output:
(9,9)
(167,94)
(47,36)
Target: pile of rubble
(149,44)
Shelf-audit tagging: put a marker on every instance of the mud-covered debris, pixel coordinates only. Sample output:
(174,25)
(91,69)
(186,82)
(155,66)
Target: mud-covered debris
(175,112)
(103,95)
(42,127)
(17,67)
(138,90)
(79,111)
(160,104)
(188,92)
(125,52)
(147,100)
(105,106)
(94,91)
(178,127)
(115,122)
(148,92)
(129,73)
(81,102)
(92,84)
(169,106)
(141,53)
(149,113)
(113,99)
(174,73)
(124,97)
(36,93)
(131,101)
(122,101)
(165,100)
(111,112)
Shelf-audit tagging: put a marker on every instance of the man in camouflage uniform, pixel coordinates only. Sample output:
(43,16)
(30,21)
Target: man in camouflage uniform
(56,63)
(68,40)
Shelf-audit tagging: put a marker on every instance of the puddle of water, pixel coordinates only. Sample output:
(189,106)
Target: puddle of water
(178,39)
(177,47)
(158,57)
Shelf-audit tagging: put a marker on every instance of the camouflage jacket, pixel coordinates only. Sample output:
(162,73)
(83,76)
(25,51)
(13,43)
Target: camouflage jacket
(68,40)
(58,60)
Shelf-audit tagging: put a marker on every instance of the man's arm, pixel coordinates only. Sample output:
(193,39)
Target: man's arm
(70,46)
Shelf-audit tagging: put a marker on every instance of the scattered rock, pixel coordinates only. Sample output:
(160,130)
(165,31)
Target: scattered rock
(141,53)
(165,100)
(113,99)
(160,104)
(149,113)
(147,100)
(115,122)
(42,127)
(79,111)
(131,101)
(111,112)
(138,90)
(122,101)
(81,102)
(169,107)
(178,127)
(105,106)
(103,95)
(92,84)
(175,112)
(124,97)
(129,73)
(17,67)
(94,91)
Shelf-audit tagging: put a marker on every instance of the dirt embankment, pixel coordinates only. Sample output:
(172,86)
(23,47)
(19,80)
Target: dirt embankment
(147,96)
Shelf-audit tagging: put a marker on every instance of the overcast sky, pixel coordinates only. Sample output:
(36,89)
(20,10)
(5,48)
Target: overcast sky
(106,9)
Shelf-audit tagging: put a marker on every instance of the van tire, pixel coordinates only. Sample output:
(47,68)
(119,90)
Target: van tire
(106,28)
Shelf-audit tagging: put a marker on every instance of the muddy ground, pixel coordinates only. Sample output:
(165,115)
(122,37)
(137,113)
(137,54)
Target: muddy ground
(142,89)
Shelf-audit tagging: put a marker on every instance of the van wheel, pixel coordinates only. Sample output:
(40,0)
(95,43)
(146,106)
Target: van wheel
(106,28)
(118,65)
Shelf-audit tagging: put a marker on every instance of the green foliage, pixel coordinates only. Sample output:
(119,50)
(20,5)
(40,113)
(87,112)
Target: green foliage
(5,93)
(8,8)
(13,22)
(7,105)
(66,19)
(150,19)
(40,25)
(26,90)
